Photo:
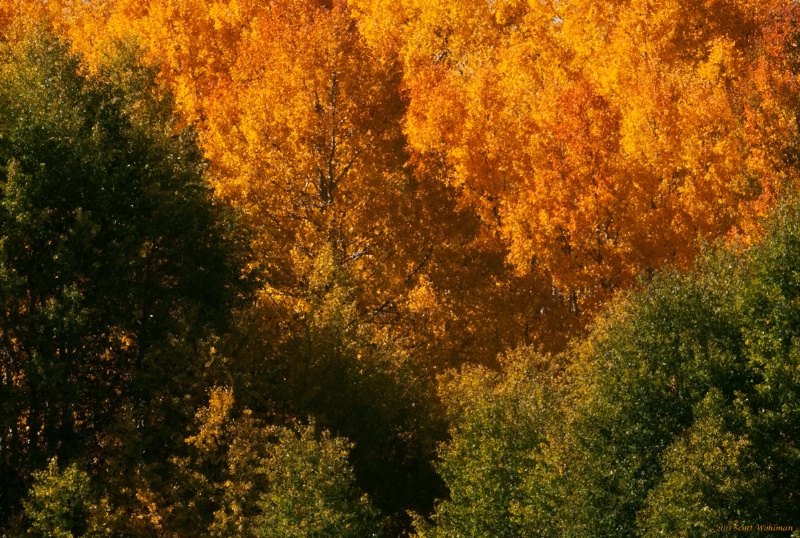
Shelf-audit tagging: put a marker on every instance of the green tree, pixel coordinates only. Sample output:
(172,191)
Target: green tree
(677,414)
(114,262)
(682,411)
(312,491)
(264,480)
(499,422)
(710,477)
(62,504)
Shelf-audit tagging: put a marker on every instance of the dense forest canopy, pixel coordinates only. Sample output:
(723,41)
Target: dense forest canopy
(395,267)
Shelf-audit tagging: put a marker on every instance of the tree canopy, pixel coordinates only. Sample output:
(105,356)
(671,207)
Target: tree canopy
(371,267)
(676,415)
(114,260)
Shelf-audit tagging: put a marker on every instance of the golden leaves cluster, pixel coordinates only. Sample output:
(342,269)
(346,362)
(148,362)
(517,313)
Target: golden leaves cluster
(593,141)
(603,138)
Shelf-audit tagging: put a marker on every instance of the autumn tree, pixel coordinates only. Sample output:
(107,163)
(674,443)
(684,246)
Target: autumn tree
(602,141)
(428,185)
(300,122)
(256,77)
(593,143)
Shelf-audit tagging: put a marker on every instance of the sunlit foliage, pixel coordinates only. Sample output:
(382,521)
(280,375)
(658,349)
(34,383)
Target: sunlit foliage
(387,227)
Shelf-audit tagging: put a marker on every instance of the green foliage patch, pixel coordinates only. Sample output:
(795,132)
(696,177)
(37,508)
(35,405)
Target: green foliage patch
(677,415)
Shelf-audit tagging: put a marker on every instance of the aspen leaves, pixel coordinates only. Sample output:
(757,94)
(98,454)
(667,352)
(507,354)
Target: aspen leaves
(594,141)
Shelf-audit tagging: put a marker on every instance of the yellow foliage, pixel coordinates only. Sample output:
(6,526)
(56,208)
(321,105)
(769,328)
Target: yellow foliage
(213,419)
(603,139)
(595,141)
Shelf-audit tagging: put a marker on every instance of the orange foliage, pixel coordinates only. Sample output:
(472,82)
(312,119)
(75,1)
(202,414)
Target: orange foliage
(604,139)
(593,141)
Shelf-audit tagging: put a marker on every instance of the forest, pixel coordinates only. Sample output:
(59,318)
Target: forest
(399,268)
